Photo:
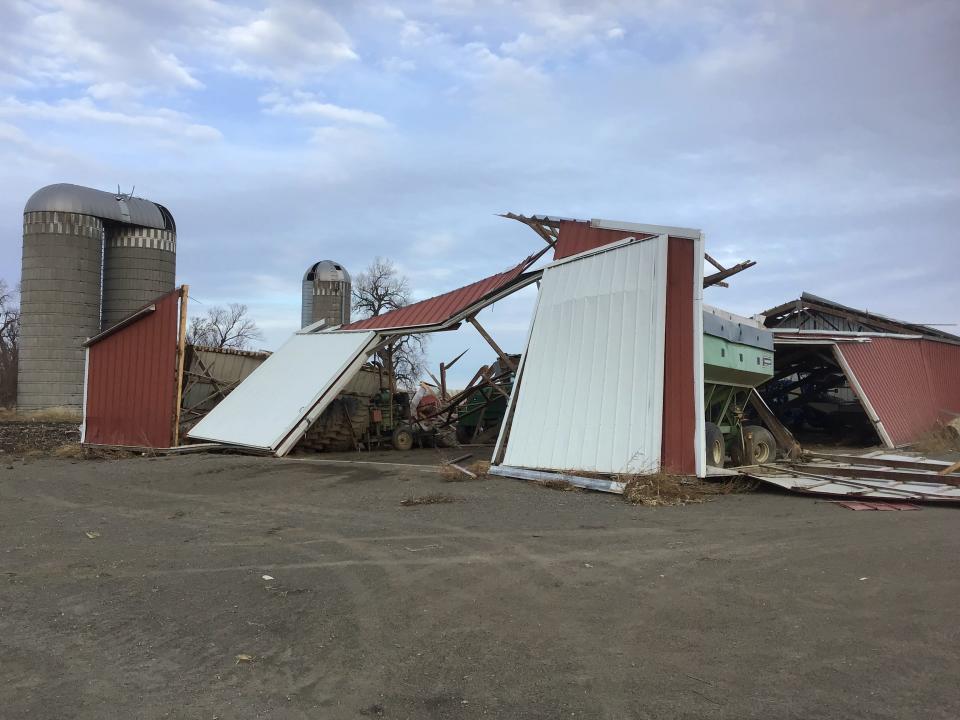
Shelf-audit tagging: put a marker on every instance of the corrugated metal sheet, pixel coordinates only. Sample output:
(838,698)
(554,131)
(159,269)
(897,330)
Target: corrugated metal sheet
(590,395)
(275,405)
(577,236)
(942,363)
(679,399)
(909,383)
(441,308)
(131,380)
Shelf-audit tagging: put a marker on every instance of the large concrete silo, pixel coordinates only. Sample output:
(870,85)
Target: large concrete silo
(59,305)
(326,294)
(61,292)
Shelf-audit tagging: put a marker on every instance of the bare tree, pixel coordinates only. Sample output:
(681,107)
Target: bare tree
(378,290)
(224,327)
(9,344)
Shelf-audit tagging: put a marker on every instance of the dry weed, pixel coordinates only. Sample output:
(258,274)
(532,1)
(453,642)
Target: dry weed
(48,415)
(942,439)
(557,484)
(435,499)
(75,451)
(478,468)
(657,489)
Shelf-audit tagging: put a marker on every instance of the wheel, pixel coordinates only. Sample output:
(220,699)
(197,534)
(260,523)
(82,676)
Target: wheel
(716,452)
(764,447)
(402,438)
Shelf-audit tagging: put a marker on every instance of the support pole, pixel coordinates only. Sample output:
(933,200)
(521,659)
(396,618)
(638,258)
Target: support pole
(502,355)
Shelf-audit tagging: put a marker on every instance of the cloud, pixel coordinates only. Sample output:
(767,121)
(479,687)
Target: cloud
(158,121)
(105,45)
(306,105)
(289,41)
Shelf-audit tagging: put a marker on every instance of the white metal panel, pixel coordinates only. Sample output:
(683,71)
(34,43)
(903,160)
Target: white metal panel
(276,397)
(699,441)
(590,393)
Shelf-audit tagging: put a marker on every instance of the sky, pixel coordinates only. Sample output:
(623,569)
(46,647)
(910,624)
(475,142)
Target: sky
(821,139)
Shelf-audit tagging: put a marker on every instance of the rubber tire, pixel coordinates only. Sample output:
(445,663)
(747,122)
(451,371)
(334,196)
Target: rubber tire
(713,438)
(764,447)
(402,439)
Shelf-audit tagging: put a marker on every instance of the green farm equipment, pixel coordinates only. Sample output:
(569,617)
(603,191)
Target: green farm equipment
(737,357)
(479,418)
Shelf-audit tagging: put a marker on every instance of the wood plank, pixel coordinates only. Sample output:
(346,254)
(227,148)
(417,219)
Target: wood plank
(181,357)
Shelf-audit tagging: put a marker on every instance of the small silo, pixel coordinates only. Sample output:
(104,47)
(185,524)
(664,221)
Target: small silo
(326,294)
(61,292)
(139,264)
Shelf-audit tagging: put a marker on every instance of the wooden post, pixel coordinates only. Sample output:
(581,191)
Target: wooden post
(443,382)
(181,356)
(508,363)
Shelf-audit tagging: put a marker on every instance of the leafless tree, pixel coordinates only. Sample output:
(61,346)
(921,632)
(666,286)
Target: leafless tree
(378,290)
(224,327)
(9,344)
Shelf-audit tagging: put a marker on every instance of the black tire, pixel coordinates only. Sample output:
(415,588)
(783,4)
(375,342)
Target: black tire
(402,438)
(764,447)
(716,450)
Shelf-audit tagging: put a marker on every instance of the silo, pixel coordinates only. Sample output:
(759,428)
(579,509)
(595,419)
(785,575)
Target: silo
(59,306)
(61,293)
(326,294)
(139,264)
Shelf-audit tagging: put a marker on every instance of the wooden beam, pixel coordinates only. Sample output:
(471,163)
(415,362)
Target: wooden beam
(784,437)
(724,274)
(502,355)
(718,266)
(181,356)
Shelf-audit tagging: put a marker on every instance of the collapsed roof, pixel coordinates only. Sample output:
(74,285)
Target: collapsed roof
(811,312)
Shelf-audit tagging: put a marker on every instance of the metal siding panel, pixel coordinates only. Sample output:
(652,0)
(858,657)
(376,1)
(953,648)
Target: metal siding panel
(576,236)
(942,363)
(132,381)
(263,409)
(594,315)
(679,406)
(892,374)
(437,309)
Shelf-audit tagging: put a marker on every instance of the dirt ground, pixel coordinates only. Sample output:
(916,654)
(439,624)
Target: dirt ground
(135,589)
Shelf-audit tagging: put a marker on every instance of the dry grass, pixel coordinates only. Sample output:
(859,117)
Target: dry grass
(51,415)
(75,451)
(658,489)
(558,484)
(942,439)
(478,468)
(435,499)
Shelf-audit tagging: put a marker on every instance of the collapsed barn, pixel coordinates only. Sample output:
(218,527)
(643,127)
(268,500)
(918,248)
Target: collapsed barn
(655,381)
(847,374)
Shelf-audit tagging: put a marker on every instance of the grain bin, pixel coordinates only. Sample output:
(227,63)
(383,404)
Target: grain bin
(326,294)
(64,228)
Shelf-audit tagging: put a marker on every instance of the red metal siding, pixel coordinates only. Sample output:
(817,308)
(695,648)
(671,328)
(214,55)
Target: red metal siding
(437,309)
(131,381)
(578,236)
(678,454)
(942,363)
(909,383)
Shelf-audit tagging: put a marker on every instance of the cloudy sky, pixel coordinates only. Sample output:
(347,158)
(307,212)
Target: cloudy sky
(819,138)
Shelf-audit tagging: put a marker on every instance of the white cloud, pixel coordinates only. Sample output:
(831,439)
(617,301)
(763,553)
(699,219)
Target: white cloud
(100,44)
(162,121)
(289,41)
(306,105)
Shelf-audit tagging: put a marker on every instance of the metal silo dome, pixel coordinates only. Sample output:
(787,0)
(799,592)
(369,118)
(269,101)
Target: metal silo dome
(325,294)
